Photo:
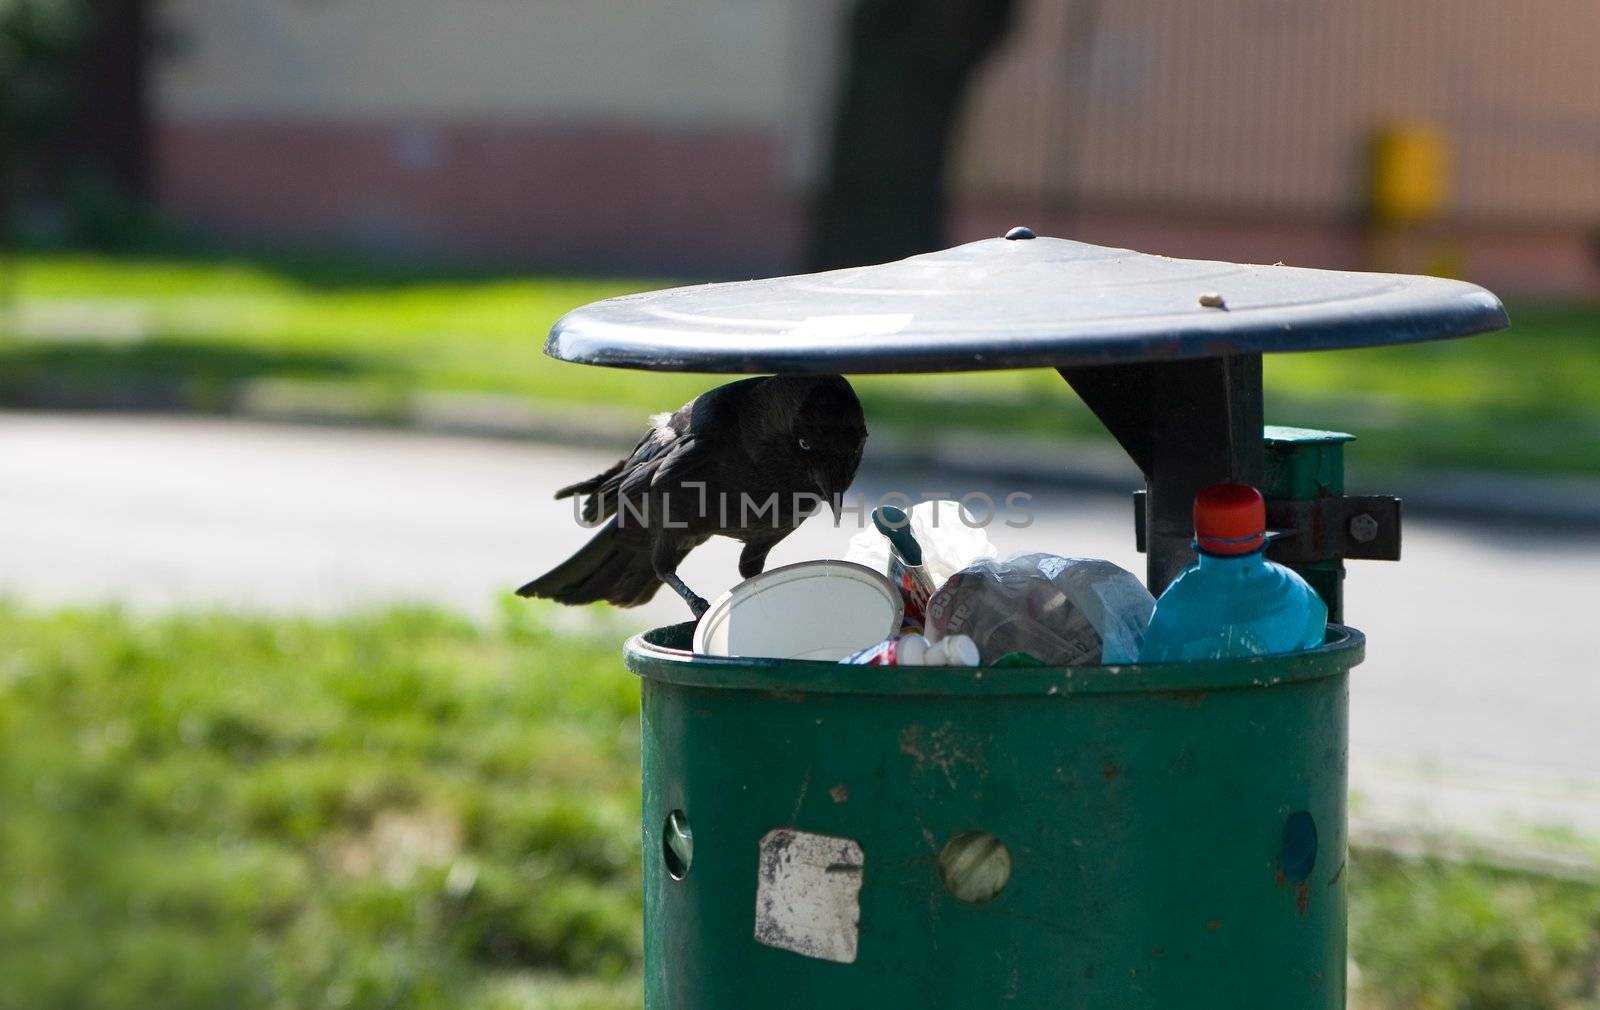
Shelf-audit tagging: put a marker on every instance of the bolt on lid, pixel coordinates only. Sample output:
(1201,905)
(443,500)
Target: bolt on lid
(1230,519)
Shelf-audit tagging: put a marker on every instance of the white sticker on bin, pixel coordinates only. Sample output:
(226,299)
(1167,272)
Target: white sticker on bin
(808,894)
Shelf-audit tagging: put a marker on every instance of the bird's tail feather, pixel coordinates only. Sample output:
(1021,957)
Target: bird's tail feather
(597,503)
(602,569)
(591,485)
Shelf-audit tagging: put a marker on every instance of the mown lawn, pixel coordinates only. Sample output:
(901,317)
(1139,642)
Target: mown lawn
(1527,400)
(388,811)
(405,810)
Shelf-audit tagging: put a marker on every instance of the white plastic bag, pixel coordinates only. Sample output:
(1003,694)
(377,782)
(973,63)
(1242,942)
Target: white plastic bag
(942,529)
(1062,611)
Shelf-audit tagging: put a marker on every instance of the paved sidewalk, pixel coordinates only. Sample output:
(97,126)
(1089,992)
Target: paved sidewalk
(1079,465)
(1482,653)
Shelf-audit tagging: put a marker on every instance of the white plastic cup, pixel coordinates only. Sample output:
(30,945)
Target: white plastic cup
(824,610)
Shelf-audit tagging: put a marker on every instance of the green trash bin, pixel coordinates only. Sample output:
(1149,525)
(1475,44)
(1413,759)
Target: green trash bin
(1162,836)
(1165,835)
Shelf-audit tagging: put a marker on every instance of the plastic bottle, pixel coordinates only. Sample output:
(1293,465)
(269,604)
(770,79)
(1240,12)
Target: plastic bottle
(1233,602)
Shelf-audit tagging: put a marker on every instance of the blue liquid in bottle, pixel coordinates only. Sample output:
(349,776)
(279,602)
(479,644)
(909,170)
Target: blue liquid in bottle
(1235,603)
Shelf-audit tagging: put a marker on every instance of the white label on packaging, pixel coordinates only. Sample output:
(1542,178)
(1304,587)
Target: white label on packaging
(808,894)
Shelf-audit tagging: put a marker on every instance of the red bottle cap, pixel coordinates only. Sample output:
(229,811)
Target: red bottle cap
(1230,519)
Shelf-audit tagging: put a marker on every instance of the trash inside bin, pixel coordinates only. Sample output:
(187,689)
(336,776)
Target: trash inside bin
(1233,601)
(811,610)
(1062,611)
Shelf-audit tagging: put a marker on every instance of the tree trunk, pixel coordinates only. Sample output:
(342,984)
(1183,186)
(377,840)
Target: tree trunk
(906,73)
(109,135)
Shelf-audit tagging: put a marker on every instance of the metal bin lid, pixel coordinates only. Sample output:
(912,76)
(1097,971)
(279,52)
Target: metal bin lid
(1016,303)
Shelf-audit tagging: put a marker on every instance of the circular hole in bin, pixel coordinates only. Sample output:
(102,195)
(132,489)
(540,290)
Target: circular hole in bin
(1297,853)
(677,845)
(975,866)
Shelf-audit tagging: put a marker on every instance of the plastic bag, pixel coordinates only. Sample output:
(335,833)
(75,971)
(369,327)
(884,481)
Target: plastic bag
(948,543)
(1062,611)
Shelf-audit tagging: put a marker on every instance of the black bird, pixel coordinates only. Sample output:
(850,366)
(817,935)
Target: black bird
(749,460)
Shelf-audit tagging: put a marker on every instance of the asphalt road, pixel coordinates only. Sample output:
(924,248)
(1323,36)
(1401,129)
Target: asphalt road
(1482,674)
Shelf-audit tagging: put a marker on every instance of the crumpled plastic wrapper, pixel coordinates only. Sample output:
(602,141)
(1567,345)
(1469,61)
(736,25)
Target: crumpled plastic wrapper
(948,543)
(1062,611)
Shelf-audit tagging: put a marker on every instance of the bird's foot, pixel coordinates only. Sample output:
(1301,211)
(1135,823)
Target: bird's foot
(699,606)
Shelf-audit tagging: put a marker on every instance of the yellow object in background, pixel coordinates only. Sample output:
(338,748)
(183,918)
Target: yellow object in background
(1410,173)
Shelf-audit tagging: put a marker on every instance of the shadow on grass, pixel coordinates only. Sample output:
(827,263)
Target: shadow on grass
(158,374)
(323,272)
(332,274)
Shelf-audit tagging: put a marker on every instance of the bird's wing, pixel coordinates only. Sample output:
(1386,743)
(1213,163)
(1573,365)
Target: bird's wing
(604,489)
(691,459)
(666,466)
(687,447)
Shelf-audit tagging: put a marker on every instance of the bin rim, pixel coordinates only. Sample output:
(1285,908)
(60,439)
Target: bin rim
(649,656)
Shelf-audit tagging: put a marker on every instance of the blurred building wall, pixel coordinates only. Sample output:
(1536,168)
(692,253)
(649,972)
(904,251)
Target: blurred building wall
(563,132)
(1241,129)
(685,136)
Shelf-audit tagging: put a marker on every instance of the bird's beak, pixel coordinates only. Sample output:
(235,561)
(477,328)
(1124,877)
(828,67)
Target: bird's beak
(831,480)
(835,502)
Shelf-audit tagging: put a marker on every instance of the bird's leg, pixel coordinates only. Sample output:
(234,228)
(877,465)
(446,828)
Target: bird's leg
(753,559)
(665,561)
(697,604)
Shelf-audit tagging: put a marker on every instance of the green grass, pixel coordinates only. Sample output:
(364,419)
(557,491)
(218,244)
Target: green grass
(403,809)
(394,810)
(1431,935)
(1527,400)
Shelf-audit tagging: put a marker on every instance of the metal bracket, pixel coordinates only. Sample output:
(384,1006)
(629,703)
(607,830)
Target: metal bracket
(1354,528)
(1187,424)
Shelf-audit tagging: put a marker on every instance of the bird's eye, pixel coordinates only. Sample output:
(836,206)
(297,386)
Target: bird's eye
(805,446)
